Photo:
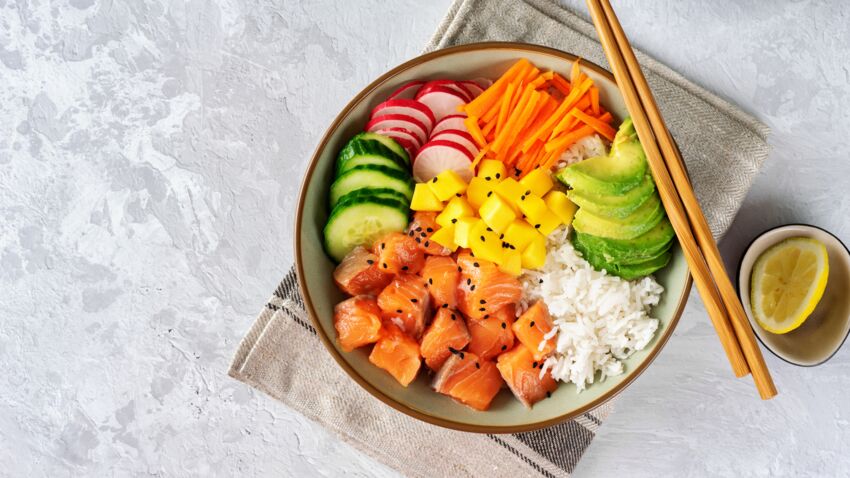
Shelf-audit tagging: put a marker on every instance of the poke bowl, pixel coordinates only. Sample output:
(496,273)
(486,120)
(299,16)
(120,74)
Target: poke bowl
(479,242)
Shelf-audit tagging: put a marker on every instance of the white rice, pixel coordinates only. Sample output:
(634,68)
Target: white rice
(587,147)
(599,319)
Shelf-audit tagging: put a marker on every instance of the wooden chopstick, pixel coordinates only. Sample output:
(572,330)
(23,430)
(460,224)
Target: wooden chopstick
(675,166)
(669,196)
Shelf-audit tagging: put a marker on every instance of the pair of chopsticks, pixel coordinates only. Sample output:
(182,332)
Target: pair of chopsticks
(721,301)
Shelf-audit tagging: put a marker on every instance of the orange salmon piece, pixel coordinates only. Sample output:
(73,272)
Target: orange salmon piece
(404,302)
(483,288)
(532,326)
(398,253)
(469,380)
(398,354)
(441,277)
(358,273)
(357,321)
(493,335)
(423,225)
(446,333)
(522,374)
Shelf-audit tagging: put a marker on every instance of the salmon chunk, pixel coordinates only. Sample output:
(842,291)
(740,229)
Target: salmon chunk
(468,379)
(446,333)
(441,277)
(398,254)
(522,374)
(532,326)
(483,288)
(357,322)
(423,225)
(398,354)
(358,273)
(405,302)
(492,335)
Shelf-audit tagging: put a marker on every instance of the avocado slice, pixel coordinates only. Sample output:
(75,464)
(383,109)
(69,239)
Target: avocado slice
(622,170)
(625,271)
(615,206)
(647,216)
(644,247)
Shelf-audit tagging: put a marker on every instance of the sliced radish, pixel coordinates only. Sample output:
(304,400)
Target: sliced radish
(442,101)
(483,82)
(473,88)
(399,121)
(406,107)
(438,156)
(406,91)
(405,138)
(456,136)
(450,84)
(450,122)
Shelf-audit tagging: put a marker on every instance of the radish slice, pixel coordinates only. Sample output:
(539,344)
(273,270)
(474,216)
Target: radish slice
(456,136)
(399,121)
(438,156)
(442,101)
(405,138)
(401,133)
(473,88)
(406,91)
(450,84)
(450,122)
(483,82)
(406,107)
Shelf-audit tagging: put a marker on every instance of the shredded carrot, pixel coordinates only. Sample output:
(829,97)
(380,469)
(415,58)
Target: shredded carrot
(561,84)
(599,126)
(568,139)
(505,106)
(471,124)
(594,100)
(482,103)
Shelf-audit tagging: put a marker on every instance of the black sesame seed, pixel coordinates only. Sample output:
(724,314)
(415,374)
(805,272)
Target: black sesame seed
(489,193)
(398,311)
(445,306)
(427,243)
(454,317)
(483,301)
(434,180)
(430,229)
(486,178)
(458,195)
(418,228)
(430,280)
(404,268)
(461,355)
(517,171)
(534,365)
(454,220)
(482,239)
(459,269)
(504,325)
(489,230)
(419,240)
(539,281)
(528,192)
(486,316)
(411,233)
(385,265)
(468,281)
(531,324)
(414,300)
(501,236)
(522,198)
(498,175)
(548,394)
(423,234)
(477,365)
(472,287)
(383,245)
(370,261)
(504,347)
(482,309)
(537,226)
(475,264)
(452,350)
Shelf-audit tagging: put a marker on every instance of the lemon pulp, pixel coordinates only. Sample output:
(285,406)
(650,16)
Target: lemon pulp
(787,283)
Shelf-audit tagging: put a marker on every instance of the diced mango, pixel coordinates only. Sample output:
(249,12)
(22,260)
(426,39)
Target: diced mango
(561,205)
(519,234)
(533,207)
(547,223)
(538,181)
(485,243)
(457,208)
(534,254)
(445,236)
(478,190)
(424,199)
(492,170)
(497,213)
(511,190)
(463,227)
(447,184)
(511,262)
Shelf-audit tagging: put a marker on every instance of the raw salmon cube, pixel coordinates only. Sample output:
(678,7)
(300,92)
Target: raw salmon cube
(404,302)
(468,379)
(357,321)
(421,228)
(398,354)
(441,278)
(521,372)
(532,326)
(492,335)
(358,273)
(398,253)
(484,289)
(447,332)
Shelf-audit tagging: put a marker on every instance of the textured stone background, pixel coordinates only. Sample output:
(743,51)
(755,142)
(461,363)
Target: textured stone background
(149,161)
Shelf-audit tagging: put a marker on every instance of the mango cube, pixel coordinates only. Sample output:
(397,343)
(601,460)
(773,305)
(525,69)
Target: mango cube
(455,209)
(463,228)
(485,243)
(537,181)
(478,190)
(561,205)
(533,207)
(511,262)
(445,236)
(511,190)
(519,234)
(547,223)
(447,184)
(424,199)
(497,213)
(534,254)
(492,170)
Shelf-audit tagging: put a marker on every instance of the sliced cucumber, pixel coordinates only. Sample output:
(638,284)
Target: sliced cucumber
(360,221)
(361,159)
(374,192)
(365,151)
(388,142)
(371,176)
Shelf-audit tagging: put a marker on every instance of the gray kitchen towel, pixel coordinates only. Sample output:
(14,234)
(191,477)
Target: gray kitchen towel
(282,356)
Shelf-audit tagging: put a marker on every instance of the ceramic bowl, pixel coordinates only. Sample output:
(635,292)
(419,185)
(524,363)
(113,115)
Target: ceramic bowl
(823,333)
(315,268)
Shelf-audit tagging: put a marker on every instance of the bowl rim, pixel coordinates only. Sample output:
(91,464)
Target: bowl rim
(328,342)
(738,288)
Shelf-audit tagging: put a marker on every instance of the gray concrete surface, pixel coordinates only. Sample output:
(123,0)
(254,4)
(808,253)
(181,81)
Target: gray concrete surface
(149,161)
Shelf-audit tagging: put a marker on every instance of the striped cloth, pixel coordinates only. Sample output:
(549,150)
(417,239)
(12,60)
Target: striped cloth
(282,355)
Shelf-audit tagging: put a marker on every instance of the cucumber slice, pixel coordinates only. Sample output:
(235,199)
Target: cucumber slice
(371,176)
(374,192)
(387,142)
(361,151)
(360,221)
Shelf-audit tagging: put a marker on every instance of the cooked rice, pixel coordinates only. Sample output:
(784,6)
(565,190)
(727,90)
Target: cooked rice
(587,147)
(599,319)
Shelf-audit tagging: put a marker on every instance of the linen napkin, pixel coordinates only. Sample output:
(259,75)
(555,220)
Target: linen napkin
(723,148)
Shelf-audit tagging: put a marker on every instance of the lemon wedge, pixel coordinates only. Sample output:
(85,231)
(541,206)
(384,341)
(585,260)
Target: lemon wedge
(787,283)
